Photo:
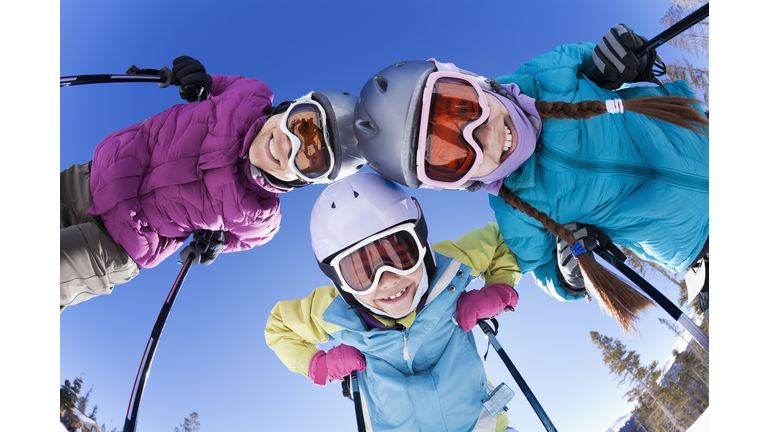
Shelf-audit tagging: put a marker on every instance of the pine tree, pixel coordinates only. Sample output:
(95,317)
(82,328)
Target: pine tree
(70,399)
(627,368)
(695,40)
(697,78)
(68,394)
(191,424)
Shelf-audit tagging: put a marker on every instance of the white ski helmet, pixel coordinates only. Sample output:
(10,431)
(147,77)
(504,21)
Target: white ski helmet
(355,208)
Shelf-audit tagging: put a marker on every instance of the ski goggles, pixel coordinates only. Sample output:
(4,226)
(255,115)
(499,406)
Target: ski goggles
(305,124)
(453,106)
(359,268)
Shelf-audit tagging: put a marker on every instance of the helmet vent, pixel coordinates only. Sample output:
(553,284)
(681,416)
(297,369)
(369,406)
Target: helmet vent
(333,205)
(356,194)
(365,127)
(400,64)
(360,166)
(381,83)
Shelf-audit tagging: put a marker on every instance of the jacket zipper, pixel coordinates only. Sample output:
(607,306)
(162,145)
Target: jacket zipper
(405,349)
(687,181)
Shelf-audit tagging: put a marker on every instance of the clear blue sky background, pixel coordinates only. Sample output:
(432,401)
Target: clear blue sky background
(212,357)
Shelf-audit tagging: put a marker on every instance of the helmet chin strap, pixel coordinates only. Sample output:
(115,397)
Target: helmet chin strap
(256,173)
(420,291)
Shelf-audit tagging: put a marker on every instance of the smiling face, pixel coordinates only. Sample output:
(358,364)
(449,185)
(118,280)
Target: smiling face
(497,137)
(270,149)
(394,293)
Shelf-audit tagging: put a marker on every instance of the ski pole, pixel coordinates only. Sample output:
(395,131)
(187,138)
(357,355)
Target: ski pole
(149,351)
(130,76)
(491,335)
(679,27)
(657,296)
(358,402)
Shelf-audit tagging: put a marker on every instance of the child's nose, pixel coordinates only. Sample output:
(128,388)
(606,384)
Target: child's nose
(389,279)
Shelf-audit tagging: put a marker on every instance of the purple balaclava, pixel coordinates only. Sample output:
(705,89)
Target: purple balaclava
(527,135)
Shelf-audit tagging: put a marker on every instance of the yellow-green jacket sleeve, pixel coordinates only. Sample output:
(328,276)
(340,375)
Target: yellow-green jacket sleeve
(484,250)
(295,326)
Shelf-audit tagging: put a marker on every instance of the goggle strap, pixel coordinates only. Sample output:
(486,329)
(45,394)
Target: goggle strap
(444,67)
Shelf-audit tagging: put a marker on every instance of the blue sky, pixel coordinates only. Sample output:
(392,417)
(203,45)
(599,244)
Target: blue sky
(212,357)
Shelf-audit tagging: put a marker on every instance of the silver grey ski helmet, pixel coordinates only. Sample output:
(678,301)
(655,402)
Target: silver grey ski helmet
(339,108)
(387,119)
(342,105)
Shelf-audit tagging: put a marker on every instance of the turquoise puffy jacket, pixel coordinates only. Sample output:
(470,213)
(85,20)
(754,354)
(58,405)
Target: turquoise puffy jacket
(643,182)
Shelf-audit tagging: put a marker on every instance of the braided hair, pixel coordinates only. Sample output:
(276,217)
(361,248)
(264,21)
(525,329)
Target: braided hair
(620,300)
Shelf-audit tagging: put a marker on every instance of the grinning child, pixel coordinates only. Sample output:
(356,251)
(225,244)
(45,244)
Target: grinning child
(556,143)
(398,309)
(213,168)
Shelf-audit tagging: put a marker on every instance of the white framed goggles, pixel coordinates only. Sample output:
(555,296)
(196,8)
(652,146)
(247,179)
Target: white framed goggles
(358,268)
(306,125)
(453,107)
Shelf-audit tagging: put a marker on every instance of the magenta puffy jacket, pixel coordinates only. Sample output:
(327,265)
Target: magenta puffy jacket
(186,169)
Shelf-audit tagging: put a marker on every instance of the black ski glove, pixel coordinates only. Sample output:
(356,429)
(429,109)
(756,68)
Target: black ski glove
(189,74)
(205,247)
(567,264)
(615,60)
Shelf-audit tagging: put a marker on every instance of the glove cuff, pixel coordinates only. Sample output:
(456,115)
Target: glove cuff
(318,368)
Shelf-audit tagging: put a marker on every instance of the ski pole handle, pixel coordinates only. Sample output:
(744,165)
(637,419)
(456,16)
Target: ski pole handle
(67,81)
(163,77)
(679,27)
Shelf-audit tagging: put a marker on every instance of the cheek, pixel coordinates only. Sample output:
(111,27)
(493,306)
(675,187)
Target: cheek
(368,299)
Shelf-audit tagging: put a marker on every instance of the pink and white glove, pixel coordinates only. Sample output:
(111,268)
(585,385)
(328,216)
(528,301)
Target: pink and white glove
(487,302)
(335,364)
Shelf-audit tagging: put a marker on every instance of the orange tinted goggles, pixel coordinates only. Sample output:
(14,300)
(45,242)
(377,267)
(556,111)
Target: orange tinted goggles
(447,152)
(305,126)
(397,250)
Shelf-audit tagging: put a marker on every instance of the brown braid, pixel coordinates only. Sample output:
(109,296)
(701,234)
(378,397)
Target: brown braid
(622,302)
(676,110)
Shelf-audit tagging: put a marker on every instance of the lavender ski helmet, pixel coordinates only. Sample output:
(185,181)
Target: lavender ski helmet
(357,207)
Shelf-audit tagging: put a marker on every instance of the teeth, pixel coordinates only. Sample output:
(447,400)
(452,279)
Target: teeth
(272,149)
(508,142)
(396,295)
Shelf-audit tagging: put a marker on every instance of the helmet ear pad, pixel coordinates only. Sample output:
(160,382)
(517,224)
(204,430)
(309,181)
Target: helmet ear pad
(333,131)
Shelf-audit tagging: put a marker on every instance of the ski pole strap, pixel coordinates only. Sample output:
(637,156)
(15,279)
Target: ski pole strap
(487,329)
(612,248)
(345,388)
